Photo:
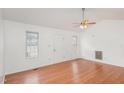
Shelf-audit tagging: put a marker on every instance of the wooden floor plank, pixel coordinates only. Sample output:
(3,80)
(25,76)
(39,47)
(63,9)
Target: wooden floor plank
(78,71)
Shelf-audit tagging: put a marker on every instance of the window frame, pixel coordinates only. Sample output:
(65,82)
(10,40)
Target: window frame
(26,53)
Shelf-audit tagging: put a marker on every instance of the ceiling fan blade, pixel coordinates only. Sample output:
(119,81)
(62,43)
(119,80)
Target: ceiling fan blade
(91,23)
(75,23)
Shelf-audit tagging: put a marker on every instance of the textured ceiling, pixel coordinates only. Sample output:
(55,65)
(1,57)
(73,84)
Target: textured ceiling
(61,18)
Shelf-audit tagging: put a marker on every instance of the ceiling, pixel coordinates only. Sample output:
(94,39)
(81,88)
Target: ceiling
(61,18)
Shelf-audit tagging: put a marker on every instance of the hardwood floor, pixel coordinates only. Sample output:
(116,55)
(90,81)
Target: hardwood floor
(70,72)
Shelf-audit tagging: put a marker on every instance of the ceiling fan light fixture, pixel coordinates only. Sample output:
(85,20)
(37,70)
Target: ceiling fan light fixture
(83,26)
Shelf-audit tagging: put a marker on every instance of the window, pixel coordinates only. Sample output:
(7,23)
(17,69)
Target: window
(32,39)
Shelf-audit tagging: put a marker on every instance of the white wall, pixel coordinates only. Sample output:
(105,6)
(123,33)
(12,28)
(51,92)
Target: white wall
(15,60)
(106,36)
(1,49)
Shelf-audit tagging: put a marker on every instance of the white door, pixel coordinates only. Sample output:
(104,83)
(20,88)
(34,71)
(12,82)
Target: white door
(58,48)
(46,52)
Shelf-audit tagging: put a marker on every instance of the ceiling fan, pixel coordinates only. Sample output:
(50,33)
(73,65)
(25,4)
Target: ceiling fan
(85,22)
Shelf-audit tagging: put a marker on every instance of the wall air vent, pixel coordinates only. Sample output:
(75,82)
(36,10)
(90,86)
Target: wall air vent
(98,55)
